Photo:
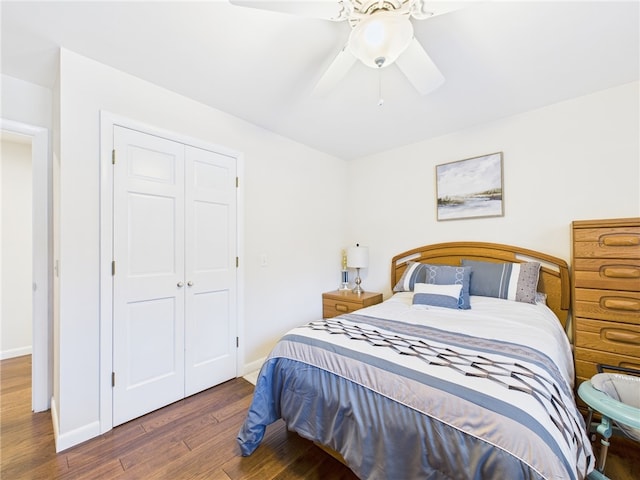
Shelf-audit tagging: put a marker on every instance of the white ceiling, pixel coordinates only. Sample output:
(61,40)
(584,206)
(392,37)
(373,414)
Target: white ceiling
(499,58)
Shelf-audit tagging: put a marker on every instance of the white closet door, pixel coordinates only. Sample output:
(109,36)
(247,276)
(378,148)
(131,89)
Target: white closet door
(210,269)
(148,288)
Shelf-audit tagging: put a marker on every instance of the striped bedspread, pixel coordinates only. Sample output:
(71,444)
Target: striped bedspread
(406,401)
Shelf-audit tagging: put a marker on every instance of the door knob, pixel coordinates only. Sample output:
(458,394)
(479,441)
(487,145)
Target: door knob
(180,284)
(190,283)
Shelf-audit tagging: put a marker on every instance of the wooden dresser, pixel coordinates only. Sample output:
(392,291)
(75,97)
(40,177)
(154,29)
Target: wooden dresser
(606,294)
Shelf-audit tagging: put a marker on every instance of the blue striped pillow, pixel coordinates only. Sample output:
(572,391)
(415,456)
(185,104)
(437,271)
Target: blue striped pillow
(436,275)
(511,281)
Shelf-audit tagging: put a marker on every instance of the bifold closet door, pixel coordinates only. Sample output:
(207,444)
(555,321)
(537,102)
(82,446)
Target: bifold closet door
(174,283)
(148,282)
(210,343)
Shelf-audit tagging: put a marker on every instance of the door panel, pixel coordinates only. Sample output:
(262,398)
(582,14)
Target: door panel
(212,342)
(210,238)
(151,243)
(150,325)
(210,242)
(148,309)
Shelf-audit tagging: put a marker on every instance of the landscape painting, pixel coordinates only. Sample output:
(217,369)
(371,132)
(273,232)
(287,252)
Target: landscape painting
(470,188)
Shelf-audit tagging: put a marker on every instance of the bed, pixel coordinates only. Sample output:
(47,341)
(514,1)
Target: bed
(465,371)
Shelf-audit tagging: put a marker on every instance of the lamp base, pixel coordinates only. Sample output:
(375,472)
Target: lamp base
(358,289)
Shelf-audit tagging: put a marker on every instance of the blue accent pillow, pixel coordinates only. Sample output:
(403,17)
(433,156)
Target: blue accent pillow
(436,295)
(436,275)
(414,273)
(510,281)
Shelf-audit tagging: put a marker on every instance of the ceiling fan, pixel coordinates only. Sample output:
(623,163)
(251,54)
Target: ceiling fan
(381,35)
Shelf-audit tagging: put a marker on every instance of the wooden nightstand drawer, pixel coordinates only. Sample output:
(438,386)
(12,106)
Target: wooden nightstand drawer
(332,308)
(619,306)
(610,337)
(345,301)
(606,242)
(609,274)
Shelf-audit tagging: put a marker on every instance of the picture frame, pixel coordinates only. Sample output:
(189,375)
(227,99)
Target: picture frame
(470,188)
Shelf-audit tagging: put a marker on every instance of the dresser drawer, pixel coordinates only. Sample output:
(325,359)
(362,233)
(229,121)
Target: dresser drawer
(610,337)
(620,306)
(610,274)
(587,361)
(619,242)
(588,367)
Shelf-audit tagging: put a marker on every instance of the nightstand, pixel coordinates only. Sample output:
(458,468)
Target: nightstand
(345,301)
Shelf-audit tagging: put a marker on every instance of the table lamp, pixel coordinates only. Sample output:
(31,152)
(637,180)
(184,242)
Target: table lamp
(358,257)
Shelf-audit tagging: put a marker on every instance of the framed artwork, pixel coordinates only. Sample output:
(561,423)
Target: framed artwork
(470,188)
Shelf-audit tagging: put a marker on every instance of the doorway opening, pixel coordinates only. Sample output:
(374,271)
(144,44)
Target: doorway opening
(26,267)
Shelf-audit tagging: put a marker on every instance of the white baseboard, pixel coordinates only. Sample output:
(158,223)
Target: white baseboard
(253,366)
(16,352)
(252,377)
(79,435)
(251,371)
(54,420)
(74,437)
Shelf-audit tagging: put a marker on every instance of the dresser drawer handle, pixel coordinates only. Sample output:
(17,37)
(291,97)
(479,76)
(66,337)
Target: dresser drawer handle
(621,272)
(341,308)
(620,240)
(627,304)
(622,336)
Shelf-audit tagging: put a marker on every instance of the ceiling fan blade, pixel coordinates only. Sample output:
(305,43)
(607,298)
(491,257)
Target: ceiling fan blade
(423,9)
(419,68)
(336,72)
(324,9)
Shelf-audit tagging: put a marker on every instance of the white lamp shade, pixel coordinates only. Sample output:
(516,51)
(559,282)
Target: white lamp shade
(358,257)
(382,35)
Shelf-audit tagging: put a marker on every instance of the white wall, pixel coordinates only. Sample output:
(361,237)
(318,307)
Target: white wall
(25,102)
(574,160)
(27,109)
(16,265)
(292,199)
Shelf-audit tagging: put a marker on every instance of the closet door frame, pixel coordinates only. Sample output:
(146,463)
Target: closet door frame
(107,122)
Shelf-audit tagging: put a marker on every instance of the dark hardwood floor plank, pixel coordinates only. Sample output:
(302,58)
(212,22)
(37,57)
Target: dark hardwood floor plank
(210,450)
(193,439)
(316,465)
(103,469)
(161,445)
(12,375)
(27,445)
(155,453)
(111,444)
(240,405)
(181,411)
(278,450)
(217,436)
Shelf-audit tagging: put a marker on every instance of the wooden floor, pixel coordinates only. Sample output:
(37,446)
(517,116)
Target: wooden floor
(191,439)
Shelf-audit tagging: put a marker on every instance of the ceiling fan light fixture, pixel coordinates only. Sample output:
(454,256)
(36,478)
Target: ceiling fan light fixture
(381,35)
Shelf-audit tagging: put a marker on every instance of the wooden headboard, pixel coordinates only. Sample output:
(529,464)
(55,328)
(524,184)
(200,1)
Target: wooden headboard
(554,272)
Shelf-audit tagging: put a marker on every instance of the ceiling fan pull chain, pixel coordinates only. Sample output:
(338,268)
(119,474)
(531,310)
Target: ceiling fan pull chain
(380,99)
